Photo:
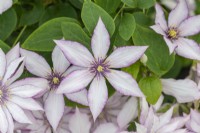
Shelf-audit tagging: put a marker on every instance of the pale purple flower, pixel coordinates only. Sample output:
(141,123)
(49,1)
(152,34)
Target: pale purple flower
(178,27)
(5,5)
(41,124)
(53,103)
(171,4)
(15,96)
(126,115)
(99,67)
(193,125)
(184,90)
(150,122)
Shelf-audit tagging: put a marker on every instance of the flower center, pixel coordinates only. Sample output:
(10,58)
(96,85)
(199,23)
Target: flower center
(55,80)
(100,68)
(172,33)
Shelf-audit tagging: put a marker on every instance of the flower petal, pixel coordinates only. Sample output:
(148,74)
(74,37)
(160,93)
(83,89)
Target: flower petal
(13,54)
(71,69)
(60,63)
(75,81)
(26,91)
(178,14)
(14,70)
(171,45)
(75,52)
(158,103)
(158,29)
(107,128)
(124,83)
(26,103)
(141,128)
(160,18)
(35,63)
(183,90)
(3,121)
(79,97)
(188,49)
(128,113)
(10,120)
(5,5)
(190,26)
(54,114)
(125,56)
(100,42)
(144,110)
(2,63)
(79,123)
(17,113)
(97,96)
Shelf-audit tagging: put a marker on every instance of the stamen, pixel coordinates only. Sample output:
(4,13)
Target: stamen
(172,33)
(1,94)
(100,68)
(55,80)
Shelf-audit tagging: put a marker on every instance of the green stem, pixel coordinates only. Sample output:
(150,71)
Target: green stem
(20,34)
(119,12)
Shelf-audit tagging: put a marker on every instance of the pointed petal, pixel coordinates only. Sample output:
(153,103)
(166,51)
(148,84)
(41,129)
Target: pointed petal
(17,113)
(13,54)
(3,121)
(195,115)
(97,96)
(26,91)
(14,70)
(26,103)
(79,123)
(75,52)
(188,49)
(178,14)
(71,69)
(75,81)
(2,63)
(190,26)
(124,83)
(144,110)
(107,128)
(160,18)
(149,122)
(79,97)
(10,120)
(60,63)
(128,112)
(171,45)
(100,42)
(54,114)
(183,90)
(35,63)
(141,128)
(125,56)
(159,103)
(158,29)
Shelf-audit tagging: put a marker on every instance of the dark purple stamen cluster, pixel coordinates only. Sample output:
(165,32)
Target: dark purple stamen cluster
(99,67)
(54,80)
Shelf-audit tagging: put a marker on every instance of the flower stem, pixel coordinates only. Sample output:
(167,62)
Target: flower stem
(119,12)
(20,34)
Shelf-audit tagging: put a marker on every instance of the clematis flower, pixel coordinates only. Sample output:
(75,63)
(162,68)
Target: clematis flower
(53,103)
(99,67)
(184,90)
(126,115)
(41,124)
(15,96)
(179,26)
(171,4)
(193,125)
(5,5)
(150,122)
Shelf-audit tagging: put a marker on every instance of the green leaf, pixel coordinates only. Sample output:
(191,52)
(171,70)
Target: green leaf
(42,38)
(152,88)
(130,3)
(77,3)
(142,19)
(58,10)
(145,4)
(32,16)
(74,32)
(90,15)
(133,69)
(127,26)
(108,5)
(8,22)
(159,59)
(4,46)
